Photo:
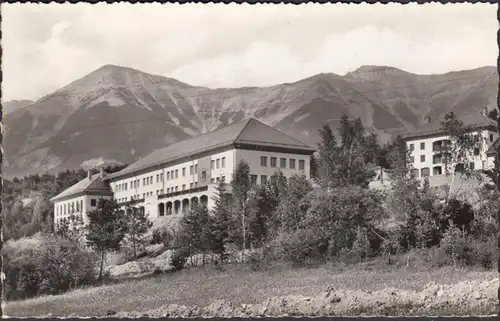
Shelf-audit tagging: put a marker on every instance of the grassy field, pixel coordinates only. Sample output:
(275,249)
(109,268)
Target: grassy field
(202,286)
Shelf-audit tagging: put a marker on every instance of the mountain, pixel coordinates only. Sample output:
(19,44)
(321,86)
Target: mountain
(118,114)
(10,106)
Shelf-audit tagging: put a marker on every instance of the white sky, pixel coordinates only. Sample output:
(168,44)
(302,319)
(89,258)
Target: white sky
(46,46)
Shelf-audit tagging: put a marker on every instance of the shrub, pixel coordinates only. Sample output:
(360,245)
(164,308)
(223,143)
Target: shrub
(179,258)
(46,265)
(303,247)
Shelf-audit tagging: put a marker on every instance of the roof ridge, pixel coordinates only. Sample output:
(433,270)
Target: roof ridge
(246,125)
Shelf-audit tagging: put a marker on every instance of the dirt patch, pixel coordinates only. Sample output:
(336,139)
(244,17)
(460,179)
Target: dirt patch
(465,298)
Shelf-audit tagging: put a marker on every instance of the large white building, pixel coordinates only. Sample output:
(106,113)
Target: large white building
(425,145)
(172,179)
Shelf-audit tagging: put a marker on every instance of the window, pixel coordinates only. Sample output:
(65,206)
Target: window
(212,180)
(176,188)
(223,162)
(203,176)
(302,164)
(191,170)
(218,163)
(93,202)
(263,179)
(422,158)
(81,205)
(64,209)
(78,206)
(212,165)
(292,163)
(143,195)
(491,137)
(476,151)
(425,172)
(471,165)
(412,147)
(196,168)
(283,162)
(414,172)
(223,178)
(263,161)
(157,178)
(151,180)
(195,184)
(168,190)
(161,177)
(144,181)
(168,176)
(191,185)
(273,161)
(422,146)
(253,180)
(176,173)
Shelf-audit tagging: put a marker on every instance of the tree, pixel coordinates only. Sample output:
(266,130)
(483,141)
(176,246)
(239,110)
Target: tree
(194,234)
(493,114)
(137,224)
(106,229)
(221,221)
(241,187)
(345,162)
(457,153)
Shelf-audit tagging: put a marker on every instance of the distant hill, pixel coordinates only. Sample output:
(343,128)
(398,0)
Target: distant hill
(12,105)
(118,114)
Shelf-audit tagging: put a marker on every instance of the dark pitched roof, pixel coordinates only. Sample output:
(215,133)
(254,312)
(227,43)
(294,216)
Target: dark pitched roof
(492,151)
(93,185)
(248,131)
(476,120)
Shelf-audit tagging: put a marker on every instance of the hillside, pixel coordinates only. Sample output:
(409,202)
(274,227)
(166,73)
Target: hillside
(118,114)
(12,105)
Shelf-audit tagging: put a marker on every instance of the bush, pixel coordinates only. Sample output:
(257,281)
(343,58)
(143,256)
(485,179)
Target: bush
(179,258)
(303,247)
(459,249)
(46,265)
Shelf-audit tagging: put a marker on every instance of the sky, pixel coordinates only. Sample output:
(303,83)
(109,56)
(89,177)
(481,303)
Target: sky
(47,46)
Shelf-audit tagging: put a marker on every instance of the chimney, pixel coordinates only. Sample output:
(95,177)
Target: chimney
(89,174)
(101,172)
(428,119)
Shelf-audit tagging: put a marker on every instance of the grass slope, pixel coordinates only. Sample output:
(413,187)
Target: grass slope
(202,286)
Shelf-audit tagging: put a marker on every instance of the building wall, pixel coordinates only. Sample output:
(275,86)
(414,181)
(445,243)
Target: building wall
(253,158)
(480,161)
(175,192)
(79,205)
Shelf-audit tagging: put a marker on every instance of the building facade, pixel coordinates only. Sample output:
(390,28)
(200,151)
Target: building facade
(428,146)
(173,179)
(80,198)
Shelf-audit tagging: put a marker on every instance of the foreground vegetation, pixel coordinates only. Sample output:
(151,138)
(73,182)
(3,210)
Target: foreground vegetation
(285,227)
(202,286)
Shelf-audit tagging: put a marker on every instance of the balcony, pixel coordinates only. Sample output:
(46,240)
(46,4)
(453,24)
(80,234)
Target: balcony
(441,145)
(184,192)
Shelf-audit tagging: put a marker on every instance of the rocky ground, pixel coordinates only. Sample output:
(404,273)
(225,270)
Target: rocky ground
(466,298)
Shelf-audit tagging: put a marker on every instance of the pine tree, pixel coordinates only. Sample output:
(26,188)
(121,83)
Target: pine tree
(241,187)
(138,224)
(106,229)
(221,221)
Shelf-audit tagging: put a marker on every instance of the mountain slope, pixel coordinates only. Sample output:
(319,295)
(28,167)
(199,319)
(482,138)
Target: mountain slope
(117,113)
(12,105)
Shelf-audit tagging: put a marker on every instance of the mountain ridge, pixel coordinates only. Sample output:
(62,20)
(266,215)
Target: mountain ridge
(120,113)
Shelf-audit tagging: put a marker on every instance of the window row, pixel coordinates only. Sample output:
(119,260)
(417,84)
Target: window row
(283,162)
(218,163)
(69,208)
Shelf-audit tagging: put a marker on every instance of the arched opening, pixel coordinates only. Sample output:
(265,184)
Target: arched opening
(185,205)
(204,200)
(169,208)
(161,209)
(425,172)
(194,202)
(177,207)
(437,170)
(414,172)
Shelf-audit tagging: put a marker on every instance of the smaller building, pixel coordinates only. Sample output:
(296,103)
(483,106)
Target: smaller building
(428,157)
(81,198)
